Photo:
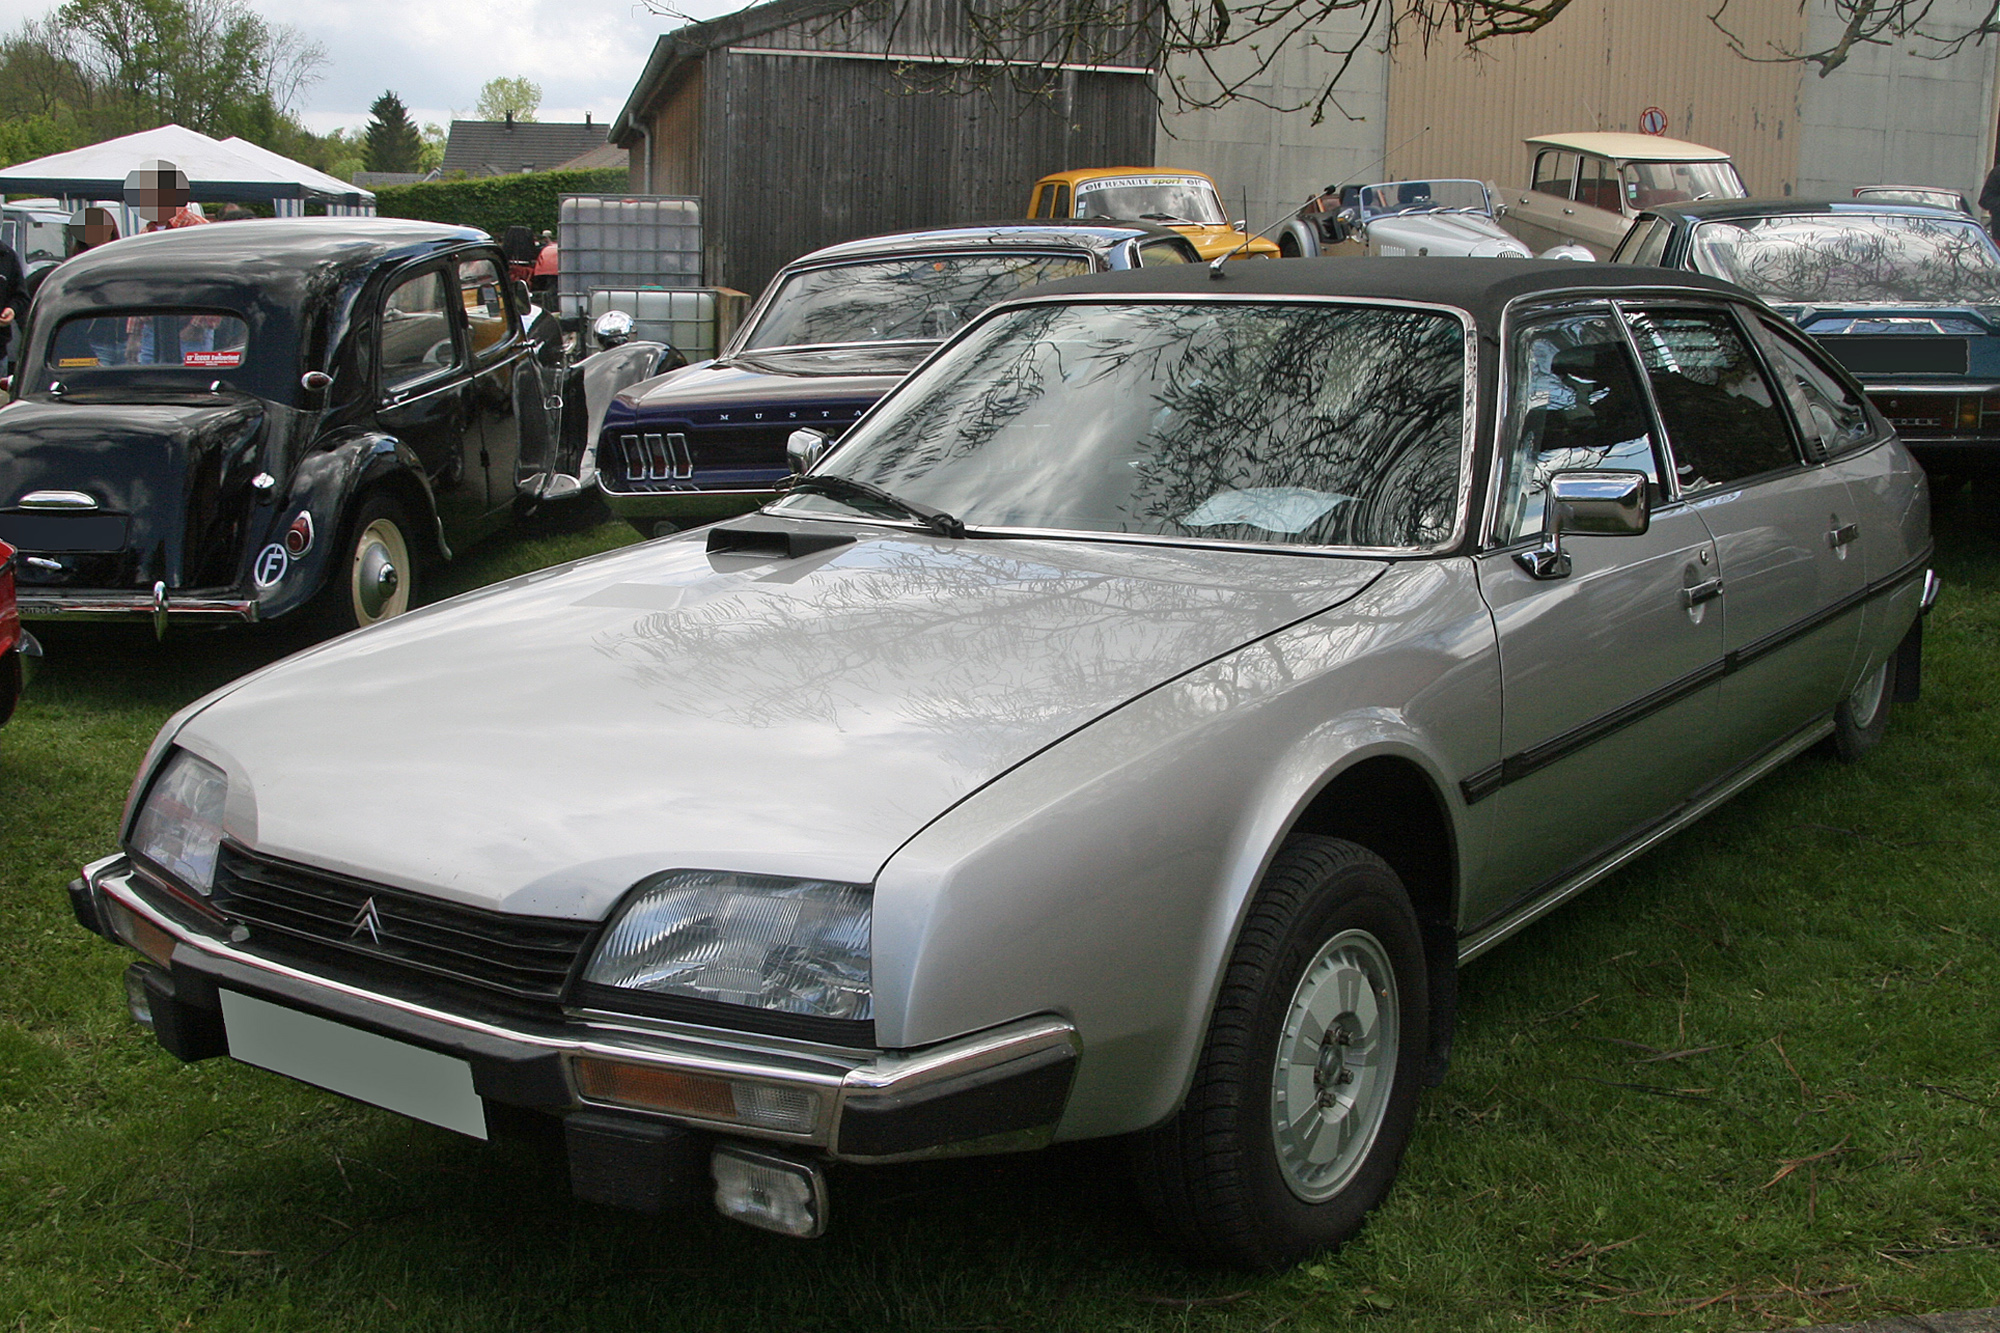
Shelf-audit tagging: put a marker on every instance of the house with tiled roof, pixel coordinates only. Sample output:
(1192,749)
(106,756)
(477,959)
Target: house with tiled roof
(503,147)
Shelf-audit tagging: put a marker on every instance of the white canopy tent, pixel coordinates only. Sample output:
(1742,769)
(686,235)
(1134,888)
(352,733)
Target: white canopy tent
(228,171)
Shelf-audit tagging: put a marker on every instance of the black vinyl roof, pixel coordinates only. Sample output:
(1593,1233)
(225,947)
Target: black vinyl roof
(274,264)
(1482,287)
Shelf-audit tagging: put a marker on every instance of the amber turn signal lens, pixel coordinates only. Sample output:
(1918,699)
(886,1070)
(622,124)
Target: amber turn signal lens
(655,1089)
(1968,414)
(152,942)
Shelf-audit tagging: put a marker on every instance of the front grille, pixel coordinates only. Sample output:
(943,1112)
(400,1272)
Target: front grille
(297,908)
(711,449)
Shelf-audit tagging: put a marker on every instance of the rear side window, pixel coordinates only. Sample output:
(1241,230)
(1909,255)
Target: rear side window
(1722,420)
(1645,244)
(1831,416)
(1554,173)
(153,339)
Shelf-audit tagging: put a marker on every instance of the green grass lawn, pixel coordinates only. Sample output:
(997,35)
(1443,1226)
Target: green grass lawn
(1751,1081)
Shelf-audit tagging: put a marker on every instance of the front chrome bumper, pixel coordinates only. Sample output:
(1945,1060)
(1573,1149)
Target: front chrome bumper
(687,508)
(995,1091)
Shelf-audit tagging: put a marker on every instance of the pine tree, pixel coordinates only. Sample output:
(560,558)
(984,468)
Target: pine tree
(392,142)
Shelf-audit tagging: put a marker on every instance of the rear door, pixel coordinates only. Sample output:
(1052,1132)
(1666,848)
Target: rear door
(1785,526)
(1609,672)
(1548,206)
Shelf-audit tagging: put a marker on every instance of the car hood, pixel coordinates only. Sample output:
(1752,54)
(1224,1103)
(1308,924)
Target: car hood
(542,745)
(766,378)
(1463,234)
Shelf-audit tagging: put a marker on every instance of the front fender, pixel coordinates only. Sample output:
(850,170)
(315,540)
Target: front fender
(1105,880)
(325,485)
(594,382)
(1301,234)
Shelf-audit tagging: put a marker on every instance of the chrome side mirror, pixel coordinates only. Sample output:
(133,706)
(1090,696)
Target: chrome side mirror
(315,380)
(1599,504)
(612,328)
(804,448)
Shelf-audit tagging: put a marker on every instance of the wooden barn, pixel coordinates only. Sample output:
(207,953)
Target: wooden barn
(797,127)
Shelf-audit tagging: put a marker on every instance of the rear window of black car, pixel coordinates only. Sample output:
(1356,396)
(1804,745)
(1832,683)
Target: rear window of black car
(197,340)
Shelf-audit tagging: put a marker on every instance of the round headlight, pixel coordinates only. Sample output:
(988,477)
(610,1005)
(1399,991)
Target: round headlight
(179,827)
(793,946)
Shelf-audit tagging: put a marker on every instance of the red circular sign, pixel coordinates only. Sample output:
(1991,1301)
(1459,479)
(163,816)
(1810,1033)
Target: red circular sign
(1652,121)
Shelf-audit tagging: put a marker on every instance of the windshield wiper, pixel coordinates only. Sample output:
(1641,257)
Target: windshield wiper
(837,487)
(1168,217)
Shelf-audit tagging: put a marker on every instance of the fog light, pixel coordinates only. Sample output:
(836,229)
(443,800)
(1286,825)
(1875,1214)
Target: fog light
(136,999)
(652,1088)
(1968,414)
(774,1193)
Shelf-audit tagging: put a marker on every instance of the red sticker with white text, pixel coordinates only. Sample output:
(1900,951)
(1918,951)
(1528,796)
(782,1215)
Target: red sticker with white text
(212,360)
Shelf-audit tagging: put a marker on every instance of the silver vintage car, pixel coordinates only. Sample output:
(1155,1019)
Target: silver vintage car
(1126,730)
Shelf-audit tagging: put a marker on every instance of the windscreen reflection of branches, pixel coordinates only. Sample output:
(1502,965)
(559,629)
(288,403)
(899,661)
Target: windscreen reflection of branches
(923,299)
(1313,425)
(1880,260)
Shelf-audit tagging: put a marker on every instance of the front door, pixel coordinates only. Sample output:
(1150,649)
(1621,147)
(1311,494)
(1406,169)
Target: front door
(507,390)
(426,395)
(1607,673)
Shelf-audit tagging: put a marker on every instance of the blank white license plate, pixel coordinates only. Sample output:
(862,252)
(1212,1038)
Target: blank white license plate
(393,1075)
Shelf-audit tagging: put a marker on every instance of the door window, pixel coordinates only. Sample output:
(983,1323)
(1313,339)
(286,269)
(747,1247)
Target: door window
(1722,420)
(417,338)
(1044,196)
(1575,404)
(1061,207)
(1154,253)
(1597,184)
(1555,173)
(485,302)
(1831,416)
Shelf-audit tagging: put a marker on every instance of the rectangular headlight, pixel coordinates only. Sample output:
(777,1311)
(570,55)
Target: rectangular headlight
(792,946)
(179,828)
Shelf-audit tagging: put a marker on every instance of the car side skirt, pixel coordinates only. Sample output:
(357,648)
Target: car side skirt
(1545,900)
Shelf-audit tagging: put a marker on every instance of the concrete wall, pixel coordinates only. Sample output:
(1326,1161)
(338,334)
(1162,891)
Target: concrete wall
(1599,66)
(1888,117)
(1280,158)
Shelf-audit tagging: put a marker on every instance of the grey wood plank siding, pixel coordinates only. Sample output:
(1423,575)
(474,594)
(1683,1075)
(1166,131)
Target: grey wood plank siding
(805,151)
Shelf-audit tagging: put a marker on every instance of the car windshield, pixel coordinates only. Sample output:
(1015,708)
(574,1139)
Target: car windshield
(1182,199)
(1649,184)
(1877,259)
(1424,196)
(154,339)
(924,298)
(1286,423)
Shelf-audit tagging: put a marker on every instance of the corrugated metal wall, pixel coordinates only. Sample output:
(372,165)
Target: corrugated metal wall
(805,151)
(1599,66)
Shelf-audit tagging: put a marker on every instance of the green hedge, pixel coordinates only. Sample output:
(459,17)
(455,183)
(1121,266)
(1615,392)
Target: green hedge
(494,203)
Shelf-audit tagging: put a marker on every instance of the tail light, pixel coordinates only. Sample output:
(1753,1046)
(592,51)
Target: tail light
(299,537)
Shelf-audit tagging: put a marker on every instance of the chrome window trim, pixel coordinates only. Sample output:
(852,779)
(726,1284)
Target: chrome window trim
(1468,424)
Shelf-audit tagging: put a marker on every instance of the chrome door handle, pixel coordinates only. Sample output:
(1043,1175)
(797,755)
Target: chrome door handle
(1570,211)
(1843,534)
(1695,594)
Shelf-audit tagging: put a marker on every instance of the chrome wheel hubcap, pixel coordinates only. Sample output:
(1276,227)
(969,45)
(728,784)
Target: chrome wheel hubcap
(379,558)
(1866,701)
(1335,1066)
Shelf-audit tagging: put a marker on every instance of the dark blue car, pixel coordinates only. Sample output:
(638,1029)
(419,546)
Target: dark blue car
(833,332)
(1907,297)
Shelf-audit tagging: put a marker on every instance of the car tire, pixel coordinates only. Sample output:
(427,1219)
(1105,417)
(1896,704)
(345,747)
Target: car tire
(373,575)
(1862,717)
(1232,1177)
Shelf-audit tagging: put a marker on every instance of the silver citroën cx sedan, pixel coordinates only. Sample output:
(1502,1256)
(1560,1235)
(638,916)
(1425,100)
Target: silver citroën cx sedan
(1125,731)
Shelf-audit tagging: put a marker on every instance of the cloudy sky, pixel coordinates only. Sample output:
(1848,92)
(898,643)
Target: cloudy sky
(435,54)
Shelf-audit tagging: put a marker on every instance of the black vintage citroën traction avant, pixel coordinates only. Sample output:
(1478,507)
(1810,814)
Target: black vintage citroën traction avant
(235,423)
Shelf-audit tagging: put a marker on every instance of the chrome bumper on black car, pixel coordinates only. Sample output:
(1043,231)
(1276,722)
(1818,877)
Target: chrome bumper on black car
(158,605)
(630,1089)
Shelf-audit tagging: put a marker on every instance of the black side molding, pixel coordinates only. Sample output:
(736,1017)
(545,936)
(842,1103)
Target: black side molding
(770,540)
